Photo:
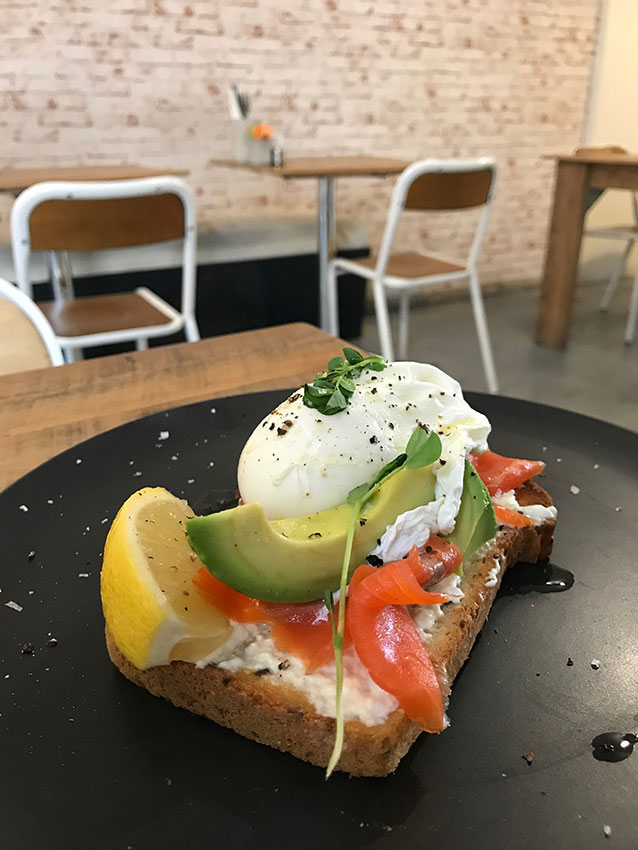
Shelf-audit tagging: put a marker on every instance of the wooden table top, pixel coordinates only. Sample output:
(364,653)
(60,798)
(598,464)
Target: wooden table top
(600,158)
(18,179)
(49,410)
(324,166)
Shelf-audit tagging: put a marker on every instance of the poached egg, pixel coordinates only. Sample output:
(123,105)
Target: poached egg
(299,461)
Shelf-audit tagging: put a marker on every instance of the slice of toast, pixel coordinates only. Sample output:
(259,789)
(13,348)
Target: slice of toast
(274,713)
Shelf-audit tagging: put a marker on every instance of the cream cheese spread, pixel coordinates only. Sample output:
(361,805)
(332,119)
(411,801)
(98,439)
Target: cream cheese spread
(492,576)
(426,616)
(539,513)
(250,648)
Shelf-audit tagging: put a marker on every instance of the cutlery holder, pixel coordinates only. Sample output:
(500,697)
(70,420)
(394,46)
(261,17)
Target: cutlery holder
(241,140)
(247,149)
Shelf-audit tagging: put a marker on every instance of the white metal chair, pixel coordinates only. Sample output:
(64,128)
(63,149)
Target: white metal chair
(27,340)
(59,217)
(625,233)
(434,185)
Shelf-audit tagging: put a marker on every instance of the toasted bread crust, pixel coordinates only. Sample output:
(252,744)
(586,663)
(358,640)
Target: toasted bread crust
(274,713)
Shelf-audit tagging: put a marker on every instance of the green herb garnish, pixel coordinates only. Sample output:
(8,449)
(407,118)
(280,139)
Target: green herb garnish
(331,391)
(423,448)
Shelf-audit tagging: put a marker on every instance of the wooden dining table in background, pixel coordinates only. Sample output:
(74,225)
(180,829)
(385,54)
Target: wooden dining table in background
(326,170)
(575,175)
(46,411)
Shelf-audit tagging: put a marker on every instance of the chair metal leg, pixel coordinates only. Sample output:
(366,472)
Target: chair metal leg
(483,333)
(61,273)
(383,319)
(72,355)
(327,240)
(617,273)
(332,305)
(141,343)
(404,324)
(55,273)
(630,330)
(191,330)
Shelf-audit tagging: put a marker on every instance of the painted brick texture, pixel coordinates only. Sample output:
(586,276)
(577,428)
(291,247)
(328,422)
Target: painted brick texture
(145,81)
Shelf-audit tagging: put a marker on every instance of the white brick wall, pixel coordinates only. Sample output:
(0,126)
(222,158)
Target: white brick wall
(145,82)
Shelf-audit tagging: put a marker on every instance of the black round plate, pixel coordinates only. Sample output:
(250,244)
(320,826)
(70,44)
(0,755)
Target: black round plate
(90,761)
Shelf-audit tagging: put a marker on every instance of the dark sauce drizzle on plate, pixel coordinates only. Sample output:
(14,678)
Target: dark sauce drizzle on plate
(613,746)
(543,577)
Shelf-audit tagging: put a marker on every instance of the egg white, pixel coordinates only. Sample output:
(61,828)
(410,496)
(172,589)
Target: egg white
(298,461)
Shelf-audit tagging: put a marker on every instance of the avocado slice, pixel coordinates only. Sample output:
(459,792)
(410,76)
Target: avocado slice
(476,520)
(297,560)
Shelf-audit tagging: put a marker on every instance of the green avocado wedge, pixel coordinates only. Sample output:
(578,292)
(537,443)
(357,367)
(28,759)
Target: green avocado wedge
(297,560)
(476,520)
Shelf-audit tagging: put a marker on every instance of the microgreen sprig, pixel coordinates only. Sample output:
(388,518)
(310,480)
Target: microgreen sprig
(423,448)
(331,391)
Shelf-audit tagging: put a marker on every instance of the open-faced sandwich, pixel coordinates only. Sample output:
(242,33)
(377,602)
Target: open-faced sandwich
(328,613)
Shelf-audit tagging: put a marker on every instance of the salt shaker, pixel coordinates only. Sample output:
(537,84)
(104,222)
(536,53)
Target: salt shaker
(276,155)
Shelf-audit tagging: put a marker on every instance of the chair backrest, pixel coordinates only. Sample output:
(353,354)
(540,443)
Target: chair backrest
(96,215)
(449,190)
(442,185)
(27,340)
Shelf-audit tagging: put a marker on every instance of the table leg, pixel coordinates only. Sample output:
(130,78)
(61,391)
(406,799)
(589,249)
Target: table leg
(61,275)
(561,261)
(327,242)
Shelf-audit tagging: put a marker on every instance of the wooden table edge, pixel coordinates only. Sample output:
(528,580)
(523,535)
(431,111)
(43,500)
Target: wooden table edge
(25,437)
(288,173)
(602,159)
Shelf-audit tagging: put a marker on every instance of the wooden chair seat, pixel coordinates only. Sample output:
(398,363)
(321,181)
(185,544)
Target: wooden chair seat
(412,265)
(101,314)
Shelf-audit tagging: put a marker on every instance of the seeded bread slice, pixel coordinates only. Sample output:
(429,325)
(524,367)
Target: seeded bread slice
(276,714)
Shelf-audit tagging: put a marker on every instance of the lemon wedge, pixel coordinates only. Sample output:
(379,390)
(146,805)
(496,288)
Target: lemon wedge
(151,608)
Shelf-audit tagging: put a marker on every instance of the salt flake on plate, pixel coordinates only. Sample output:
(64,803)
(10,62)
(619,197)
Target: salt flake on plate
(574,490)
(163,435)
(23,508)
(13,605)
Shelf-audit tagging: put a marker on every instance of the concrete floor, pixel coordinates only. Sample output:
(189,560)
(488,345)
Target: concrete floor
(597,374)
